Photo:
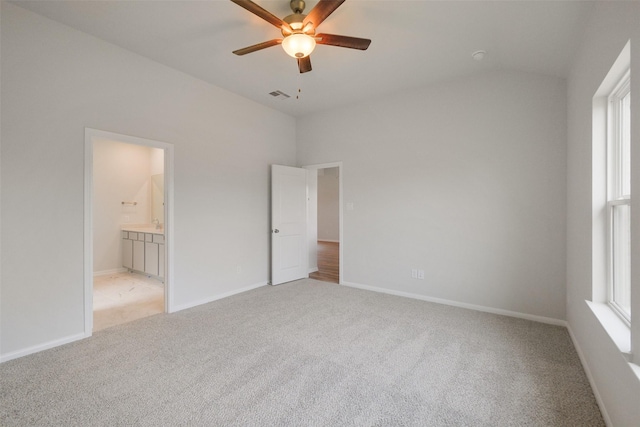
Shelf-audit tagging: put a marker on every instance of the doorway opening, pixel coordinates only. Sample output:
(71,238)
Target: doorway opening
(325,222)
(128,196)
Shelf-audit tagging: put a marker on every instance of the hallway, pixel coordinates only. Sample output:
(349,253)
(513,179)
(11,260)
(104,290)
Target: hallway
(328,262)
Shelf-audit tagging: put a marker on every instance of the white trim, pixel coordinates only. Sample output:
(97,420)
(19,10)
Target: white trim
(622,87)
(587,371)
(108,272)
(41,347)
(313,270)
(217,297)
(619,202)
(615,196)
(88,233)
(169,174)
(89,136)
(533,317)
(340,208)
(328,241)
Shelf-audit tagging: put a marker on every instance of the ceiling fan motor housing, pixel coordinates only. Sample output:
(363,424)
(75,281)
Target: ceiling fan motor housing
(297,5)
(295,20)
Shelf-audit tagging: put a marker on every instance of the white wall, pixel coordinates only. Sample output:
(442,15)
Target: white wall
(55,82)
(121,172)
(157,161)
(611,26)
(329,204)
(465,180)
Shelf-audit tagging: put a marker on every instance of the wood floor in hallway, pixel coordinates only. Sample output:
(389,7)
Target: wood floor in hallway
(328,262)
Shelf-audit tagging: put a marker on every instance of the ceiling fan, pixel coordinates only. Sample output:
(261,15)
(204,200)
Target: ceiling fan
(299,30)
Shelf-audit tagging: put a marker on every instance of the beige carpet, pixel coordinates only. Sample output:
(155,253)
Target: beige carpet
(306,353)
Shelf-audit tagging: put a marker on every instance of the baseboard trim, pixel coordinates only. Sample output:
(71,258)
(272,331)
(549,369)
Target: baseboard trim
(533,317)
(585,366)
(312,270)
(76,337)
(108,272)
(41,347)
(217,297)
(329,241)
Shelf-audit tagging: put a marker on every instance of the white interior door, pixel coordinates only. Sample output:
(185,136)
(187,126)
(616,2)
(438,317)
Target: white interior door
(289,254)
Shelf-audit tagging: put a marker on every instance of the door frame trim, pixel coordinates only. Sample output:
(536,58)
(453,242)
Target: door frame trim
(340,208)
(90,135)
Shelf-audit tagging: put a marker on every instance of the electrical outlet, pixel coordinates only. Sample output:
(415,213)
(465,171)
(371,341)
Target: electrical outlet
(414,273)
(421,274)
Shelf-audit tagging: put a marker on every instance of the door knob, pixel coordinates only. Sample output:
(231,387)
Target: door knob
(276,231)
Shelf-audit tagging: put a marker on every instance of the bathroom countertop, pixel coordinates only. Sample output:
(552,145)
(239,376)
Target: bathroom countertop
(143,228)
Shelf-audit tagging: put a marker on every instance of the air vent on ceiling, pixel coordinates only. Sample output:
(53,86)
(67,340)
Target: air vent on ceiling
(279,94)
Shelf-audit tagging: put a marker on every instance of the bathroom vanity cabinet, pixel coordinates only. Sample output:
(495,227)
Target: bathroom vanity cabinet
(143,252)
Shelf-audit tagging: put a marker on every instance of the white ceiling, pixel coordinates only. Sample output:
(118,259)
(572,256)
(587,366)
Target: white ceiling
(414,43)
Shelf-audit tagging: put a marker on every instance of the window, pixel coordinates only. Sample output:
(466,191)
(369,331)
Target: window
(619,198)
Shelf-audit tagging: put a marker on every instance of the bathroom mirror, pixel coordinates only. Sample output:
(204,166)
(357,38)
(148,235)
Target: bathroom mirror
(157,197)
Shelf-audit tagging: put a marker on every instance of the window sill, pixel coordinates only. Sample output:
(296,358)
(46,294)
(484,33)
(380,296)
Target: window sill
(617,330)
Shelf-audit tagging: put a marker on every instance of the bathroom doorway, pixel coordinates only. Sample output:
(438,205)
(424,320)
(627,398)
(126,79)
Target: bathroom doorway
(128,196)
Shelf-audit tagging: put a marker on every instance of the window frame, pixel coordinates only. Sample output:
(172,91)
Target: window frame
(615,195)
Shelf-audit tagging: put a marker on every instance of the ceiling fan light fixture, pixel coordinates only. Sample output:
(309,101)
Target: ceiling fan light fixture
(298,45)
(299,30)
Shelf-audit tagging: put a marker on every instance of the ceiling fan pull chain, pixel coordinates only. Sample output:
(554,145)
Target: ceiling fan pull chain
(299,86)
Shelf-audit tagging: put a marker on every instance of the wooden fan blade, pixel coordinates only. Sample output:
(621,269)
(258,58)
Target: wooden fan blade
(304,64)
(262,13)
(321,11)
(343,41)
(258,46)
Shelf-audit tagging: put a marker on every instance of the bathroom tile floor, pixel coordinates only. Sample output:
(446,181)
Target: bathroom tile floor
(123,297)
